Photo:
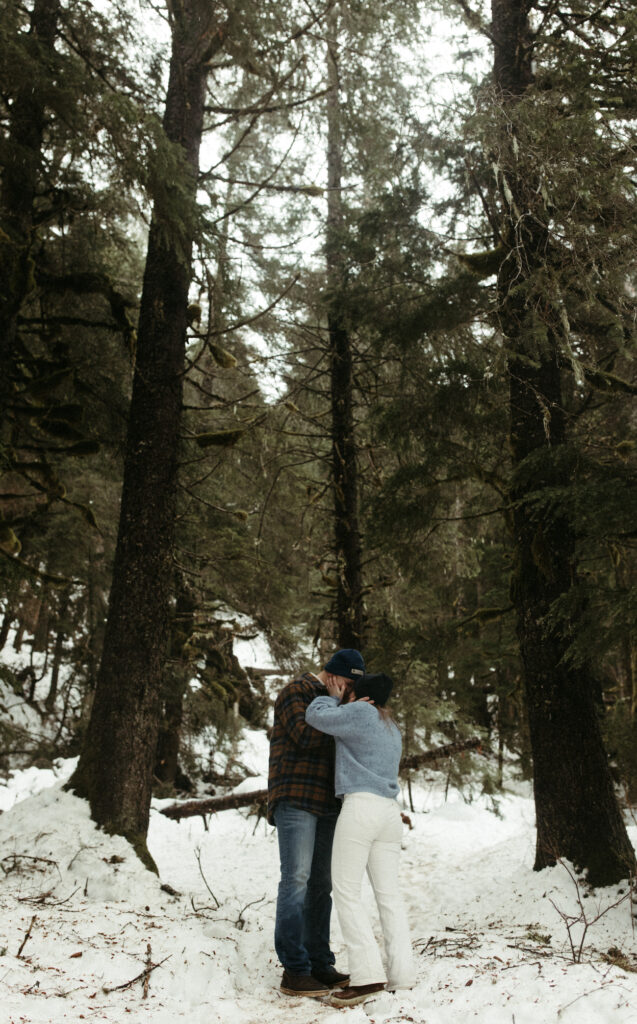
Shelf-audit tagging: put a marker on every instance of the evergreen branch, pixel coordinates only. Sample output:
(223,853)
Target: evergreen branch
(40,574)
(314,20)
(236,513)
(257,316)
(309,190)
(493,221)
(485,615)
(261,105)
(475,21)
(66,321)
(259,188)
(92,284)
(261,108)
(76,48)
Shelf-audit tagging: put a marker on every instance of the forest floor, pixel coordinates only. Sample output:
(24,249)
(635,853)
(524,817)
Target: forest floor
(81,919)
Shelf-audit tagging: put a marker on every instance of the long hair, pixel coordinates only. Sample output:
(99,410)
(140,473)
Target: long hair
(386,715)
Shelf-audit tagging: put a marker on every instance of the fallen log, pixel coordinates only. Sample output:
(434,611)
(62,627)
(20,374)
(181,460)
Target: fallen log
(437,753)
(192,808)
(214,803)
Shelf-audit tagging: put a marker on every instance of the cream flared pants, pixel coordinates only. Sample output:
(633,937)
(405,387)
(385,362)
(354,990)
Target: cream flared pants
(368,835)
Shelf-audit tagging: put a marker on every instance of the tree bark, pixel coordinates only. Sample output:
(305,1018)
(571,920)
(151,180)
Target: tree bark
(578,816)
(116,765)
(20,173)
(174,686)
(347,542)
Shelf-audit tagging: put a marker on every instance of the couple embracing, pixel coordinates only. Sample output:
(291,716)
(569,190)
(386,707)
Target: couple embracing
(333,783)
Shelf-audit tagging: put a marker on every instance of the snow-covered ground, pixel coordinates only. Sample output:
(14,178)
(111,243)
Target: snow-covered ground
(80,919)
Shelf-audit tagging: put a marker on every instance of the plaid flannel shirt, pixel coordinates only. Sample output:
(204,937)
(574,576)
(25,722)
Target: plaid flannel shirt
(301,758)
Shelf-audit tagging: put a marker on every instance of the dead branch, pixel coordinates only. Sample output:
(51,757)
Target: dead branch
(448,750)
(15,857)
(44,896)
(127,984)
(582,918)
(148,970)
(26,937)
(240,922)
(205,880)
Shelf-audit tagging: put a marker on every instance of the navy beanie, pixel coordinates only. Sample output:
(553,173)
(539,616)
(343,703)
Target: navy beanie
(347,662)
(376,685)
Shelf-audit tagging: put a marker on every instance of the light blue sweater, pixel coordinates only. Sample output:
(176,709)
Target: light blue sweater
(367,748)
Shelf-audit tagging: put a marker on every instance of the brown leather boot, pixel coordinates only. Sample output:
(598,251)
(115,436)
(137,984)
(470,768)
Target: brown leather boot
(303,985)
(355,994)
(330,976)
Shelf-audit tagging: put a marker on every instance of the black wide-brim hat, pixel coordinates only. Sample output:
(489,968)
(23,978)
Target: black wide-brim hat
(376,685)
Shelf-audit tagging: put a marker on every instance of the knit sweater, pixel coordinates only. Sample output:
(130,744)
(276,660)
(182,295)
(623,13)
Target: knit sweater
(368,748)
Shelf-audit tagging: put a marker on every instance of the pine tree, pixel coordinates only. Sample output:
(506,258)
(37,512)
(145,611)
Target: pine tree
(115,769)
(577,812)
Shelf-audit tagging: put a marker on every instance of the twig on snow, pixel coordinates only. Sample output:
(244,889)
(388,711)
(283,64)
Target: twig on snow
(26,937)
(240,922)
(582,995)
(15,857)
(127,984)
(198,858)
(148,970)
(43,896)
(571,920)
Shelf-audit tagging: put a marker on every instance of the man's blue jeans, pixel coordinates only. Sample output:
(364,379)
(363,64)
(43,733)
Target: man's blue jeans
(304,905)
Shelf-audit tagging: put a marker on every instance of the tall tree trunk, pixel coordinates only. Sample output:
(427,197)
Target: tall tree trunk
(176,677)
(347,542)
(58,649)
(20,172)
(116,765)
(578,816)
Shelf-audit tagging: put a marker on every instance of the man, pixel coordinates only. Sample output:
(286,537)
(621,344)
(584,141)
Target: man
(304,809)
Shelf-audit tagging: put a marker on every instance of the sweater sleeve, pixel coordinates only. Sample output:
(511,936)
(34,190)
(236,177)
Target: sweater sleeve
(290,709)
(328,715)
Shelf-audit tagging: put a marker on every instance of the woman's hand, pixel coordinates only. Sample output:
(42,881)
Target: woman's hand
(335,687)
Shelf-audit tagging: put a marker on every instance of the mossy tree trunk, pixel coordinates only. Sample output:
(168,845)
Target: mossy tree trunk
(115,769)
(347,541)
(578,816)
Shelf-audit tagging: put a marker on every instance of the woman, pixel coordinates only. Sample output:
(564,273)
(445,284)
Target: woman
(368,832)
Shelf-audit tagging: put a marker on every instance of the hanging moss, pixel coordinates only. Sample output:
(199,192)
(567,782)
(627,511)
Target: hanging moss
(221,356)
(604,381)
(220,438)
(483,264)
(8,540)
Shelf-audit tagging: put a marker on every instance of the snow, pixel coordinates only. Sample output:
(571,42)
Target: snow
(491,947)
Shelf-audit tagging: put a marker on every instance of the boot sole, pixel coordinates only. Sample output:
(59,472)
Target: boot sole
(335,1001)
(311,995)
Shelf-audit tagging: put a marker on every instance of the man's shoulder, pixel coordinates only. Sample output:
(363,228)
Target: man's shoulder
(305,684)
